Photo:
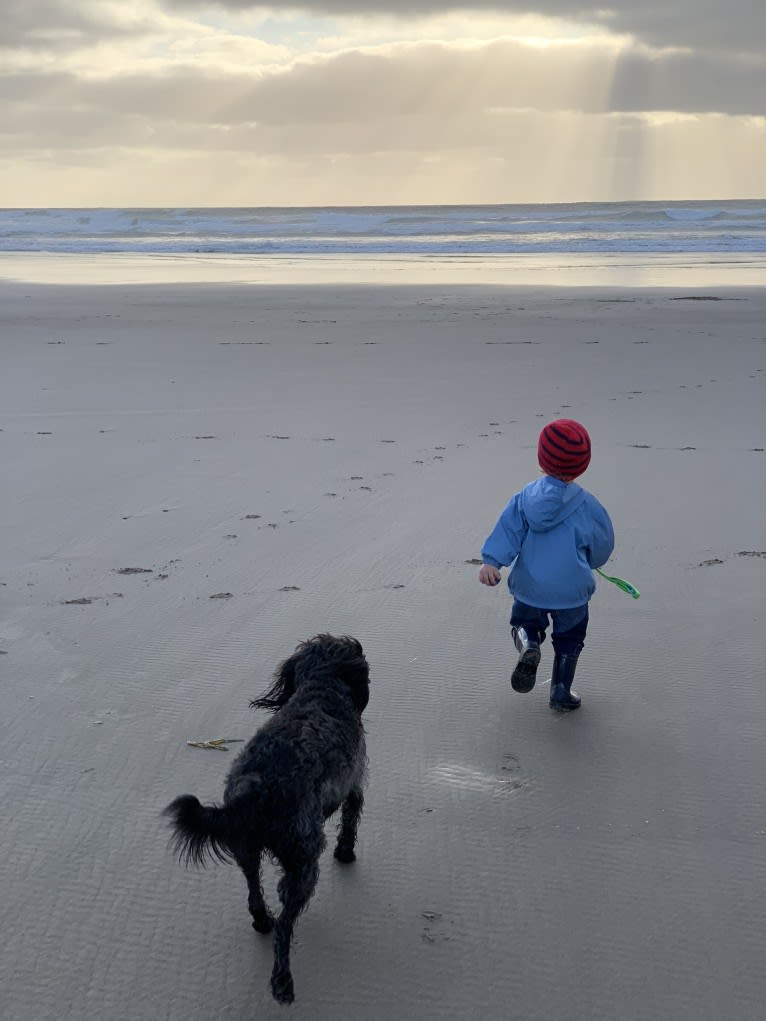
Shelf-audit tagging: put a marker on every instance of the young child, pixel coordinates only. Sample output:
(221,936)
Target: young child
(554,533)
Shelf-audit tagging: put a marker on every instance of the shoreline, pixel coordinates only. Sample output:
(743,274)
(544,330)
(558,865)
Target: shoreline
(628,270)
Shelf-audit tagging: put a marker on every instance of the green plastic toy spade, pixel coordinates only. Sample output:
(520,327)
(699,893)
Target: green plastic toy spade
(621,583)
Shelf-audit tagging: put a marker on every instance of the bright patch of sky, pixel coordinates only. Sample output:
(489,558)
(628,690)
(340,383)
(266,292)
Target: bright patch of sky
(251,41)
(149,38)
(303,33)
(277,30)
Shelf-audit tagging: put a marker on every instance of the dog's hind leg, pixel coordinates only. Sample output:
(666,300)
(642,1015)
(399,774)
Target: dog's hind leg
(295,890)
(251,866)
(350,814)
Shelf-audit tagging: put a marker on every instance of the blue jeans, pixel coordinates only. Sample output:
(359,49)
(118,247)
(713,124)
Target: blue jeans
(569,626)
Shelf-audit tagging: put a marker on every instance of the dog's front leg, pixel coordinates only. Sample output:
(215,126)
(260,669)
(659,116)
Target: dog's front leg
(349,823)
(295,889)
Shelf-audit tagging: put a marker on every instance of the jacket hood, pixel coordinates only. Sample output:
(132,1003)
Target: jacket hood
(547,502)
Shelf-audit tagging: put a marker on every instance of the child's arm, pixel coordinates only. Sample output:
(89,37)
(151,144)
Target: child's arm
(503,543)
(602,538)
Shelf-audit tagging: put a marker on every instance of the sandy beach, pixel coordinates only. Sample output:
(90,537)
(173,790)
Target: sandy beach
(198,476)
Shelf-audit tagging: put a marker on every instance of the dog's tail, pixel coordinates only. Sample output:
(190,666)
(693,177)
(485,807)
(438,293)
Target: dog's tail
(199,831)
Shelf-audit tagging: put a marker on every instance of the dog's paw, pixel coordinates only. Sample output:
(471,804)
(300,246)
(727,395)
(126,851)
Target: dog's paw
(263,924)
(282,988)
(344,854)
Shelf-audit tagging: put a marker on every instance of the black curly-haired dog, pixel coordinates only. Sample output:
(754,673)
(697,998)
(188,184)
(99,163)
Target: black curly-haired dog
(304,763)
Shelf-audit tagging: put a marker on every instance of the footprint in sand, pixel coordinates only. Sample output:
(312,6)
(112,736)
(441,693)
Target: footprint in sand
(510,763)
(430,934)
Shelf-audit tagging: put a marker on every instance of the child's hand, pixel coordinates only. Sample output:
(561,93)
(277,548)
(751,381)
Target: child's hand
(489,575)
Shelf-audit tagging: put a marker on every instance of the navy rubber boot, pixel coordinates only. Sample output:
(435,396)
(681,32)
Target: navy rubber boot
(562,697)
(525,673)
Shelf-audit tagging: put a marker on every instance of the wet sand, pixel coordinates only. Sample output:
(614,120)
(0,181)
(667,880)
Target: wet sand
(197,477)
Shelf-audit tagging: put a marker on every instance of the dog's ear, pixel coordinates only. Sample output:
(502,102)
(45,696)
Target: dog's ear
(350,665)
(282,689)
(360,689)
(356,674)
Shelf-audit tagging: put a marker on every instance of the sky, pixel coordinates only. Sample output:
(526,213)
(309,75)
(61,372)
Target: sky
(349,102)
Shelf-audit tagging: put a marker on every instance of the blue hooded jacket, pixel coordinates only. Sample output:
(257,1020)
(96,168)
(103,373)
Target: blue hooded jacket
(553,533)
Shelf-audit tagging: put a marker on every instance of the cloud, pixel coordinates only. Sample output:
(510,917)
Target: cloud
(736,26)
(529,158)
(306,106)
(422,88)
(67,24)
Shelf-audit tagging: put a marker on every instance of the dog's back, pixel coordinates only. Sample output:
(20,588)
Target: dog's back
(313,747)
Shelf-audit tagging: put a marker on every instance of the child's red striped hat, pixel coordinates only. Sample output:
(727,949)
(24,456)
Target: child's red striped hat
(564,448)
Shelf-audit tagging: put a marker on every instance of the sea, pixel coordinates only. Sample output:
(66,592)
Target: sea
(622,238)
(620,227)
